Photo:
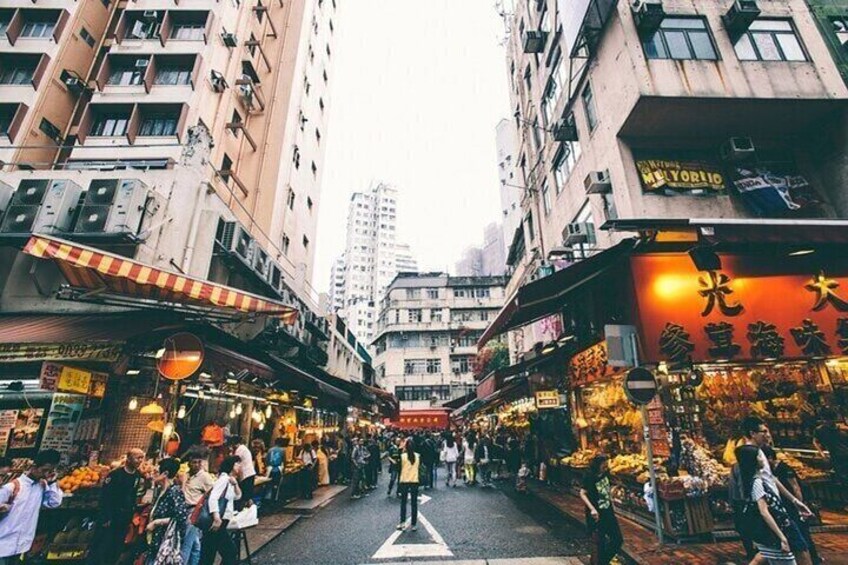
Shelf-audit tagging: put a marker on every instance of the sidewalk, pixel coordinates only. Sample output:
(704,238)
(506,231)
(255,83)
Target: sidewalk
(641,547)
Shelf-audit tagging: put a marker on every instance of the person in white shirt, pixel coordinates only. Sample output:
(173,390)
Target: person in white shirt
(221,502)
(450,454)
(247,475)
(307,476)
(21,501)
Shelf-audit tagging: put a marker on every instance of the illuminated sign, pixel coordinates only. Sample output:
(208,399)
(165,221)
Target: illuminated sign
(547,399)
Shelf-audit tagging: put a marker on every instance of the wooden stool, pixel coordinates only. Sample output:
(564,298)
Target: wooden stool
(240,537)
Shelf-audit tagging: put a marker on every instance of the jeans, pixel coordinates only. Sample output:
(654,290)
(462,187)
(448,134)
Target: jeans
(394,471)
(356,481)
(190,551)
(412,490)
(451,470)
(485,471)
(434,473)
(606,537)
(276,482)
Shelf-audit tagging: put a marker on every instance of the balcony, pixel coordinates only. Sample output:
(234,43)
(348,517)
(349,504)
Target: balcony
(35,24)
(189,28)
(11,117)
(165,78)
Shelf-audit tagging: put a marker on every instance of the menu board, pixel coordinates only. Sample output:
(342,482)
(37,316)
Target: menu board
(25,431)
(62,421)
(7,422)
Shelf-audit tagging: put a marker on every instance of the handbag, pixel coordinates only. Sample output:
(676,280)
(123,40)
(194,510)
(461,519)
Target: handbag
(201,517)
(169,549)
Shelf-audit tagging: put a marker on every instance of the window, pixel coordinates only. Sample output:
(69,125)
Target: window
(546,197)
(314,169)
(564,161)
(305,242)
(38,25)
(462,364)
(16,72)
(158,126)
(110,125)
(127,71)
(434,366)
(50,130)
(589,107)
(286,244)
(321,104)
(7,114)
(610,212)
(413,293)
(414,366)
(5,18)
(296,157)
(435,315)
(290,199)
(87,37)
(327,49)
(188,31)
(528,222)
(770,40)
(840,30)
(226,168)
(317,136)
(413,315)
(432,293)
(173,73)
(681,38)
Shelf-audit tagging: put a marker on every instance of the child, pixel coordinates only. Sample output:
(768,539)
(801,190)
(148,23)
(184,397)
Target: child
(521,477)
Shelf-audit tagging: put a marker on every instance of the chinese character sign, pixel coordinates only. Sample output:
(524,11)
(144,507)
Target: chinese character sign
(754,307)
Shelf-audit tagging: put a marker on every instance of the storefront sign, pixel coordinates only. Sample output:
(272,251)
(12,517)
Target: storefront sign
(8,418)
(590,365)
(25,432)
(675,176)
(74,380)
(657,428)
(547,399)
(62,421)
(754,308)
(90,351)
(97,387)
(49,377)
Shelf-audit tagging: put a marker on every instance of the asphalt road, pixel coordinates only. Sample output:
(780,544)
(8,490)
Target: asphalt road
(472,523)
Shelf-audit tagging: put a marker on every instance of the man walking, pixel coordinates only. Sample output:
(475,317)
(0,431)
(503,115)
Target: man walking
(374,462)
(21,501)
(195,485)
(359,462)
(394,463)
(118,499)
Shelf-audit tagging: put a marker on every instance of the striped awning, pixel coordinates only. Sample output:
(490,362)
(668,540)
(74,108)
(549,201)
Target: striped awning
(89,268)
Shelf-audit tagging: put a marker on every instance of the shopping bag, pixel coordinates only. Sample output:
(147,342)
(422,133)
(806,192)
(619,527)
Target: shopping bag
(169,550)
(246,518)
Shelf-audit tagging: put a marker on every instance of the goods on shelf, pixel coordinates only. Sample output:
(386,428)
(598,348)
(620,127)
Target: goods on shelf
(634,464)
(72,542)
(580,458)
(804,472)
(83,478)
(697,461)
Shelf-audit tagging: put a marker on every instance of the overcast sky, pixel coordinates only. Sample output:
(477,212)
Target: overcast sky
(417,90)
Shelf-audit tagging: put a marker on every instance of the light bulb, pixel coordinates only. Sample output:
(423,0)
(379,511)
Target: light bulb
(239,409)
(268,411)
(168,430)
(261,425)
(181,413)
(133,403)
(232,413)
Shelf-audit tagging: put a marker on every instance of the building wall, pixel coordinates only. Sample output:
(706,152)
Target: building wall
(506,140)
(428,329)
(345,361)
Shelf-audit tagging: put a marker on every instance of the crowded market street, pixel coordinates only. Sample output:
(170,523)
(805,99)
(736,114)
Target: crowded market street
(474,524)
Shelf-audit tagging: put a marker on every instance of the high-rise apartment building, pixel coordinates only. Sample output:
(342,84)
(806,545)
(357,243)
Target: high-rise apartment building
(336,289)
(429,325)
(506,142)
(484,260)
(372,258)
(669,109)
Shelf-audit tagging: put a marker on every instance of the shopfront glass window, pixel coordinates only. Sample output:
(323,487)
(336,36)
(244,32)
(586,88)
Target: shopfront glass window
(681,38)
(770,40)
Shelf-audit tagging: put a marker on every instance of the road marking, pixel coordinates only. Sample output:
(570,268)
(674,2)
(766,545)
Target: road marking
(392,550)
(422,498)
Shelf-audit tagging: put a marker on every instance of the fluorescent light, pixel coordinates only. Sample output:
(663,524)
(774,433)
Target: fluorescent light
(131,372)
(802,252)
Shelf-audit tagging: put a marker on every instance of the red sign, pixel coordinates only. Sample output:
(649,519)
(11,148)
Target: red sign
(431,419)
(753,308)
(590,365)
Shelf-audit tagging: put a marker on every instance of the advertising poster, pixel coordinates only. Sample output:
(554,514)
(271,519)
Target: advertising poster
(7,422)
(25,432)
(49,377)
(774,190)
(670,177)
(62,421)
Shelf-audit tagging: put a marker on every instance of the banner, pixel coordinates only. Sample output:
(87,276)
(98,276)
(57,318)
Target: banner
(675,176)
(7,422)
(25,352)
(774,190)
(49,377)
(62,421)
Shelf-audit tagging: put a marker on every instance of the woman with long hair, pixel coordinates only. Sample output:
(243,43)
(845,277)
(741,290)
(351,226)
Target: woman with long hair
(221,501)
(408,483)
(780,528)
(470,445)
(600,514)
(450,453)
(170,506)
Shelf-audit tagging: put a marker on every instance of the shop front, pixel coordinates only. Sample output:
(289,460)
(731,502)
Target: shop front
(753,322)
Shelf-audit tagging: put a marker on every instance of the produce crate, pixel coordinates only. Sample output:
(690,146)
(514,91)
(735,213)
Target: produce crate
(671,490)
(699,516)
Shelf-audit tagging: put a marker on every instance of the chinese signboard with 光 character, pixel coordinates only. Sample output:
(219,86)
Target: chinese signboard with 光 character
(754,308)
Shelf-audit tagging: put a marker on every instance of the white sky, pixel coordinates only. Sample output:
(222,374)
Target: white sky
(417,90)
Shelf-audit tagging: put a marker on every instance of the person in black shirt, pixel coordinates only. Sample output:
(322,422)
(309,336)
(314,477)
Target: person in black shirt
(118,499)
(600,514)
(833,438)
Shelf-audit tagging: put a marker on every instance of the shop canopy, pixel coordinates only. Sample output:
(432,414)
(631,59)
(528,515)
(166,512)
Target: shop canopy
(96,275)
(541,298)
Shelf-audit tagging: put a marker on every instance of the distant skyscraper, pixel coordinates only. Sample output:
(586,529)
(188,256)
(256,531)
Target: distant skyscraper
(486,260)
(371,260)
(507,148)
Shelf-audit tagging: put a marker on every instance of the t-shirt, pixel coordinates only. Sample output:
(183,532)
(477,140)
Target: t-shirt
(196,486)
(246,460)
(598,491)
(121,490)
(276,458)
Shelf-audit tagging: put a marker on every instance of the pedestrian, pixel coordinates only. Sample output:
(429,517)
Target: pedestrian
(789,478)
(469,449)
(307,474)
(257,447)
(359,462)
(168,510)
(513,455)
(600,514)
(521,477)
(374,462)
(343,456)
(830,436)
(217,540)
(275,460)
(483,460)
(118,497)
(247,473)
(394,464)
(409,480)
(450,455)
(322,462)
(777,536)
(195,486)
(21,501)
(739,500)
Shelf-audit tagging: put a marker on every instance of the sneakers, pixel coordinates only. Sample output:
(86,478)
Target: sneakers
(355,497)
(401,527)
(414,527)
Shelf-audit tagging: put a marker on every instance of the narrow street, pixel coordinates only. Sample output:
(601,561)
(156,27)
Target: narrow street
(465,524)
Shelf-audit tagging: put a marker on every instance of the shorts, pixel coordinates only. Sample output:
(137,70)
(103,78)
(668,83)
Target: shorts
(775,556)
(796,540)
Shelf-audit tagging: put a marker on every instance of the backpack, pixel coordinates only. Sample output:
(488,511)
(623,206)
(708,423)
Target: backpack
(16,488)
(275,457)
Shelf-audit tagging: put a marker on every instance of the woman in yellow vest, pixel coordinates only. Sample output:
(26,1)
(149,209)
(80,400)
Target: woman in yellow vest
(408,483)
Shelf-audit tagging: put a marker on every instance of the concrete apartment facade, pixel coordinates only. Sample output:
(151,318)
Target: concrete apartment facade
(506,143)
(671,109)
(372,258)
(196,127)
(429,325)
(347,358)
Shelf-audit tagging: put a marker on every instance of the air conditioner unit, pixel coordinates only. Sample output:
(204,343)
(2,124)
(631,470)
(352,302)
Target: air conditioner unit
(739,18)
(565,130)
(41,206)
(246,94)
(139,30)
(142,63)
(235,242)
(6,192)
(229,39)
(534,41)
(112,206)
(150,15)
(261,261)
(648,16)
(597,182)
(219,84)
(578,232)
(74,84)
(737,149)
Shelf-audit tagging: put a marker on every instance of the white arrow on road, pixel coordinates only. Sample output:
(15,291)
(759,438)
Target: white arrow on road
(422,498)
(392,550)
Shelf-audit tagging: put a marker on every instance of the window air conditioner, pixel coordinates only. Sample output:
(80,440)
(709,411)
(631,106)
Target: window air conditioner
(739,18)
(112,206)
(597,182)
(150,15)
(229,39)
(737,149)
(41,206)
(139,30)
(648,16)
(219,84)
(534,41)
(578,232)
(565,130)
(142,63)
(235,241)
